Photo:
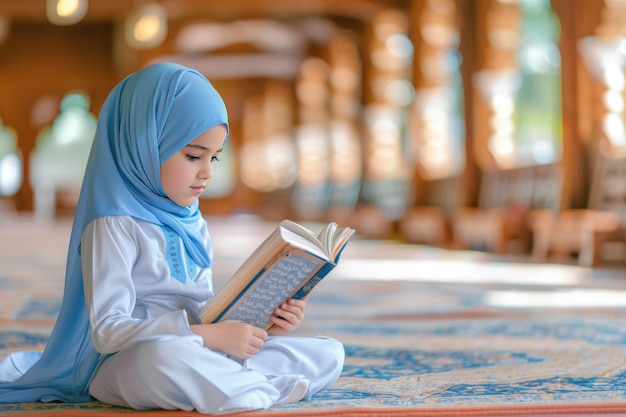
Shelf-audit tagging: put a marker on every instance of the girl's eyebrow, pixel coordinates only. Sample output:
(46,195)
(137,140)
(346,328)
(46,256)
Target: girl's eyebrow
(204,148)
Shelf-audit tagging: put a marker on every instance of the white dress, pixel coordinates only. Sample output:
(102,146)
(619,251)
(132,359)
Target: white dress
(142,293)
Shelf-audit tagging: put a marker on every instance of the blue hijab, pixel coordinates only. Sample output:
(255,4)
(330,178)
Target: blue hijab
(147,118)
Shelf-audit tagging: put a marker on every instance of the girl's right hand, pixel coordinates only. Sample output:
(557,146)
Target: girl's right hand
(231,337)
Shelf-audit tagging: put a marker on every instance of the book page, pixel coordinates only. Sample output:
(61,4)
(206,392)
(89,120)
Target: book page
(340,239)
(303,238)
(326,237)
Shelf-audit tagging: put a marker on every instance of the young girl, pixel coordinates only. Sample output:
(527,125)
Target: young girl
(139,272)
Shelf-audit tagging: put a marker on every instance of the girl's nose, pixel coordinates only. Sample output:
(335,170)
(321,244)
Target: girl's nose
(207,171)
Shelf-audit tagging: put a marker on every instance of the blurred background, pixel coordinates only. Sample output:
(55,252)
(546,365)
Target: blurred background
(495,125)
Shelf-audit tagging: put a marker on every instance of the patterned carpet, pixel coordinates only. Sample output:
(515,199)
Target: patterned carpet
(427,331)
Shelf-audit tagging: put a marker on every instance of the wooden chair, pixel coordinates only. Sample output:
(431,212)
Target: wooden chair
(429,221)
(425,224)
(507,197)
(585,232)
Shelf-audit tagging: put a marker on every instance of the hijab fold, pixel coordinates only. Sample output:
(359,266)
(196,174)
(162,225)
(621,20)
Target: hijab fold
(146,118)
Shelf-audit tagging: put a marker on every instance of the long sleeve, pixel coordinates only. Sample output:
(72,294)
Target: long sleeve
(129,292)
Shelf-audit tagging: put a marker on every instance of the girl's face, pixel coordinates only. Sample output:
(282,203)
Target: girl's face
(186,174)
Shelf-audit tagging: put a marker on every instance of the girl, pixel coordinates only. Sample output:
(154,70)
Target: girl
(139,271)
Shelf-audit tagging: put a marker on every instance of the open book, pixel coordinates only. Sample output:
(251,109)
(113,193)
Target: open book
(288,264)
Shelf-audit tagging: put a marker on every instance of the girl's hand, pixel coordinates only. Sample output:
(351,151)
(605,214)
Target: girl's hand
(287,317)
(231,337)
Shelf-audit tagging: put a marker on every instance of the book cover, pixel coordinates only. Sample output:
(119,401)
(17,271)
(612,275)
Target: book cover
(288,264)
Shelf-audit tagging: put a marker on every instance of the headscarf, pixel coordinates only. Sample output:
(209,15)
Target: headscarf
(146,118)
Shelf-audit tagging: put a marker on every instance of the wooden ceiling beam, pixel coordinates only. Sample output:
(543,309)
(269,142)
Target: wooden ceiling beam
(103,10)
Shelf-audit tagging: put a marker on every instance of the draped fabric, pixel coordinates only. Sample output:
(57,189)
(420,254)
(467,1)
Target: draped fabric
(148,117)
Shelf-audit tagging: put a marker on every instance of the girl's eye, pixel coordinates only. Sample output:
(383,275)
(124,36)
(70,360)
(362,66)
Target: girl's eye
(193,157)
(214,159)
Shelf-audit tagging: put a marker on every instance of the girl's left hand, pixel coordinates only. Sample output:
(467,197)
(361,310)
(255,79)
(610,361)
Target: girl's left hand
(287,317)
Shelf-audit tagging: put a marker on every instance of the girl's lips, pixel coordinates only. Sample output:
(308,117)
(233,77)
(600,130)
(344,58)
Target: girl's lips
(198,190)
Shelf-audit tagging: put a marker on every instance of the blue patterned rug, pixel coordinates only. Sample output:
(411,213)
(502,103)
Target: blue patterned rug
(560,359)
(446,346)
(515,363)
